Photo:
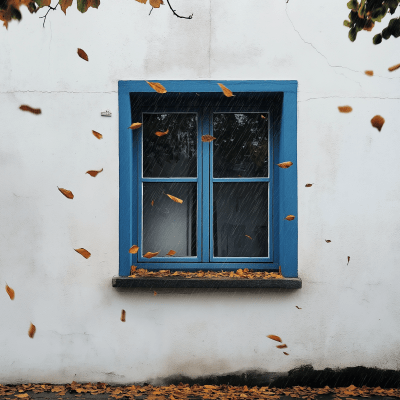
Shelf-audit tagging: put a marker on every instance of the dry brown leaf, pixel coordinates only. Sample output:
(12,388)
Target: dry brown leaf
(24,107)
(142,1)
(248,237)
(134,249)
(152,203)
(281,346)
(377,122)
(298,307)
(155,293)
(10,292)
(274,337)
(149,254)
(157,87)
(369,73)
(327,240)
(67,193)
(135,125)
(345,109)
(309,184)
(93,172)
(97,134)
(22,395)
(285,164)
(133,269)
(32,330)
(175,199)
(290,217)
(226,91)
(348,260)
(64,5)
(171,253)
(207,138)
(123,314)
(83,252)
(82,54)
(286,354)
(391,69)
(156,3)
(158,133)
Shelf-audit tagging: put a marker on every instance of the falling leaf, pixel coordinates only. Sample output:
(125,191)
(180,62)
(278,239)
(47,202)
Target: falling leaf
(226,91)
(248,237)
(171,253)
(93,172)
(155,293)
(135,125)
(10,292)
(369,73)
(286,354)
(83,55)
(262,116)
(327,241)
(298,307)
(152,203)
(274,337)
(156,3)
(377,122)
(134,249)
(83,252)
(309,184)
(162,133)
(24,107)
(142,1)
(285,164)
(123,314)
(397,66)
(67,193)
(65,4)
(290,217)
(97,134)
(345,109)
(23,395)
(133,269)
(348,260)
(149,254)
(32,330)
(175,199)
(157,87)
(207,138)
(281,346)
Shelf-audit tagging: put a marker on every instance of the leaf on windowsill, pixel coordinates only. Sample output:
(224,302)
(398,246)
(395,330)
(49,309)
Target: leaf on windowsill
(327,240)
(36,111)
(135,125)
(97,134)
(290,217)
(123,315)
(158,133)
(171,253)
(32,330)
(207,138)
(157,87)
(93,172)
(309,184)
(82,54)
(274,337)
(149,254)
(133,269)
(377,122)
(10,292)
(248,237)
(225,90)
(285,164)
(134,249)
(67,193)
(369,73)
(391,69)
(174,199)
(22,395)
(83,252)
(281,346)
(345,109)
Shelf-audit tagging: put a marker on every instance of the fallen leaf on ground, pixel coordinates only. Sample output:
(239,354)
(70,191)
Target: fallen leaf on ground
(345,109)
(93,172)
(391,69)
(286,354)
(82,54)
(171,253)
(83,252)
(207,138)
(248,237)
(123,314)
(156,3)
(32,330)
(377,122)
(309,184)
(67,193)
(149,254)
(281,346)
(135,125)
(285,164)
(157,87)
(327,241)
(10,292)
(134,249)
(298,307)
(22,395)
(24,107)
(97,134)
(226,91)
(175,199)
(158,133)
(369,73)
(290,217)
(274,337)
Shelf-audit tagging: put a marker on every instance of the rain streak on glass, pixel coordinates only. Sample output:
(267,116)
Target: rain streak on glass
(173,154)
(241,145)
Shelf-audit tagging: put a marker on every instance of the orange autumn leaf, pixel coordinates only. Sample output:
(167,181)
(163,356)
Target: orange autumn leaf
(285,164)
(281,346)
(152,203)
(123,314)
(274,337)
(309,184)
(157,87)
(171,253)
(67,193)
(286,354)
(142,1)
(24,107)
(134,249)
(135,125)
(64,5)
(158,133)
(83,252)
(345,109)
(22,395)
(32,330)
(290,217)
(93,172)
(82,54)
(97,134)
(226,91)
(377,122)
(155,293)
(133,269)
(262,116)
(369,73)
(156,3)
(391,69)
(248,237)
(10,292)
(149,254)
(207,138)
(175,199)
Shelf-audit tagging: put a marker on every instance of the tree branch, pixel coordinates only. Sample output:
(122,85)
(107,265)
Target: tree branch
(179,16)
(45,16)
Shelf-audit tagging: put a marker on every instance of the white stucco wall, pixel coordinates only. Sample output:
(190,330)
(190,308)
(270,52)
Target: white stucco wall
(349,313)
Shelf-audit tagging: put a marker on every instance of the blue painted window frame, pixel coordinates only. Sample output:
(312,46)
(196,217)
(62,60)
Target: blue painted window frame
(283,185)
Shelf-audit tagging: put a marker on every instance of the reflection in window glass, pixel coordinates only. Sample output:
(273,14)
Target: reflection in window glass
(173,154)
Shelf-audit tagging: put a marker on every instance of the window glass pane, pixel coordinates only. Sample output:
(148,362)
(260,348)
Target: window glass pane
(173,154)
(241,145)
(168,225)
(240,219)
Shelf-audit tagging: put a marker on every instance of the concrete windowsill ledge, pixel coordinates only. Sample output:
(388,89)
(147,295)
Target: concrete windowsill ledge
(179,282)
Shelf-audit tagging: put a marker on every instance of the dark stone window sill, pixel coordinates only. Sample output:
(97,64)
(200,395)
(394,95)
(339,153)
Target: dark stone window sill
(179,282)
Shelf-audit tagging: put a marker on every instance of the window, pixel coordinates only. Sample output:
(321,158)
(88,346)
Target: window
(235,197)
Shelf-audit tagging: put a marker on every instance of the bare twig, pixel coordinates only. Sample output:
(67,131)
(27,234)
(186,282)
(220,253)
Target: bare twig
(151,10)
(45,16)
(189,17)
